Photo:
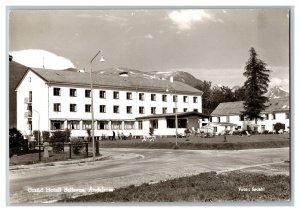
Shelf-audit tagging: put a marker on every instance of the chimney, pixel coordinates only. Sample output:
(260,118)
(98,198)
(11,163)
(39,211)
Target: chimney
(171,79)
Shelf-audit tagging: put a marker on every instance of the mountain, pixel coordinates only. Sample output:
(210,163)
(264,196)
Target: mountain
(277,92)
(180,76)
(16,73)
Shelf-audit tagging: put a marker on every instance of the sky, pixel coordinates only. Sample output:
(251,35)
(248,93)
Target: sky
(211,44)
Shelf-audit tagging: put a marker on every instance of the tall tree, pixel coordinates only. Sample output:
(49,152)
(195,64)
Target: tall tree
(255,86)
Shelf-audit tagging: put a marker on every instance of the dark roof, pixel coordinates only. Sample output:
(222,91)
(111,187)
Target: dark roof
(172,115)
(235,108)
(132,82)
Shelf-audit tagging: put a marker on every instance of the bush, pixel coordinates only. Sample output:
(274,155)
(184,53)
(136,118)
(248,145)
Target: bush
(89,133)
(17,143)
(15,138)
(46,136)
(279,126)
(77,145)
(58,140)
(151,131)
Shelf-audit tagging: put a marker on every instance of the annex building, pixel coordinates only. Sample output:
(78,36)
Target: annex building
(227,116)
(127,103)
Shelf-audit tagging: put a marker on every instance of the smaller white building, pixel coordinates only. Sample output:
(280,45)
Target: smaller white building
(227,117)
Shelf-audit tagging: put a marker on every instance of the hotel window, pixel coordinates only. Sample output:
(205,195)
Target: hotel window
(185,109)
(141,110)
(129,109)
(195,99)
(129,125)
(175,110)
(88,93)
(102,125)
(153,97)
(175,98)
(102,109)
(215,129)
(219,119)
(195,110)
(185,99)
(263,128)
(56,91)
(86,125)
(129,96)
(102,94)
(141,96)
(274,116)
(241,118)
(30,96)
(116,109)
(164,110)
(73,92)
(56,107)
(154,124)
(287,115)
(57,125)
(153,110)
(140,123)
(267,116)
(88,108)
(73,108)
(227,118)
(171,123)
(116,125)
(116,94)
(30,125)
(73,125)
(164,98)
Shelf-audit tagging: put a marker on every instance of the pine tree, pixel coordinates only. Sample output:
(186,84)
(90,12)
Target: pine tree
(255,86)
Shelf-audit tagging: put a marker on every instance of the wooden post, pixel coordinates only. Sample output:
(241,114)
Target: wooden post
(70,150)
(87,149)
(40,156)
(97,148)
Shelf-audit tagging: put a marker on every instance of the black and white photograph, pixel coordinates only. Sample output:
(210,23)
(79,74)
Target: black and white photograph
(148,105)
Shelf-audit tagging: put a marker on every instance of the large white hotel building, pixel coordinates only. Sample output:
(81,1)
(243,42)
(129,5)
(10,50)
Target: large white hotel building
(49,100)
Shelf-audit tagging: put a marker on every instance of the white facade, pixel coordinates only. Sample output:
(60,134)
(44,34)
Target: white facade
(52,107)
(270,119)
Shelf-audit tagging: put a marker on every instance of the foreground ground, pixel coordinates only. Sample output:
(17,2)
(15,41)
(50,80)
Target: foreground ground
(125,167)
(205,187)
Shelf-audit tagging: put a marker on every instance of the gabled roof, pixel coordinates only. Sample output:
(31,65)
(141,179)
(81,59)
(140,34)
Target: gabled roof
(61,77)
(172,115)
(235,108)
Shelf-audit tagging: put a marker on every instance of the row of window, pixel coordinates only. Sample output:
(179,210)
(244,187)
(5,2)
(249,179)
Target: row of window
(115,125)
(101,125)
(116,109)
(116,95)
(265,117)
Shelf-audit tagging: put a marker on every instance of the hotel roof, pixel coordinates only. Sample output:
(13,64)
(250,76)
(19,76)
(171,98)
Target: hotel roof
(115,81)
(235,108)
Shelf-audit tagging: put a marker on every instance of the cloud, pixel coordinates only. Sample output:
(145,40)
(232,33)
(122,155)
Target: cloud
(36,58)
(184,19)
(149,36)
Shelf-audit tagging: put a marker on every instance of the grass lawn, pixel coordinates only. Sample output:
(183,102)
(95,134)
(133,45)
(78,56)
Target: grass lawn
(205,187)
(233,142)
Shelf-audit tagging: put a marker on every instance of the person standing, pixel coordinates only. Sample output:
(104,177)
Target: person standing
(114,136)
